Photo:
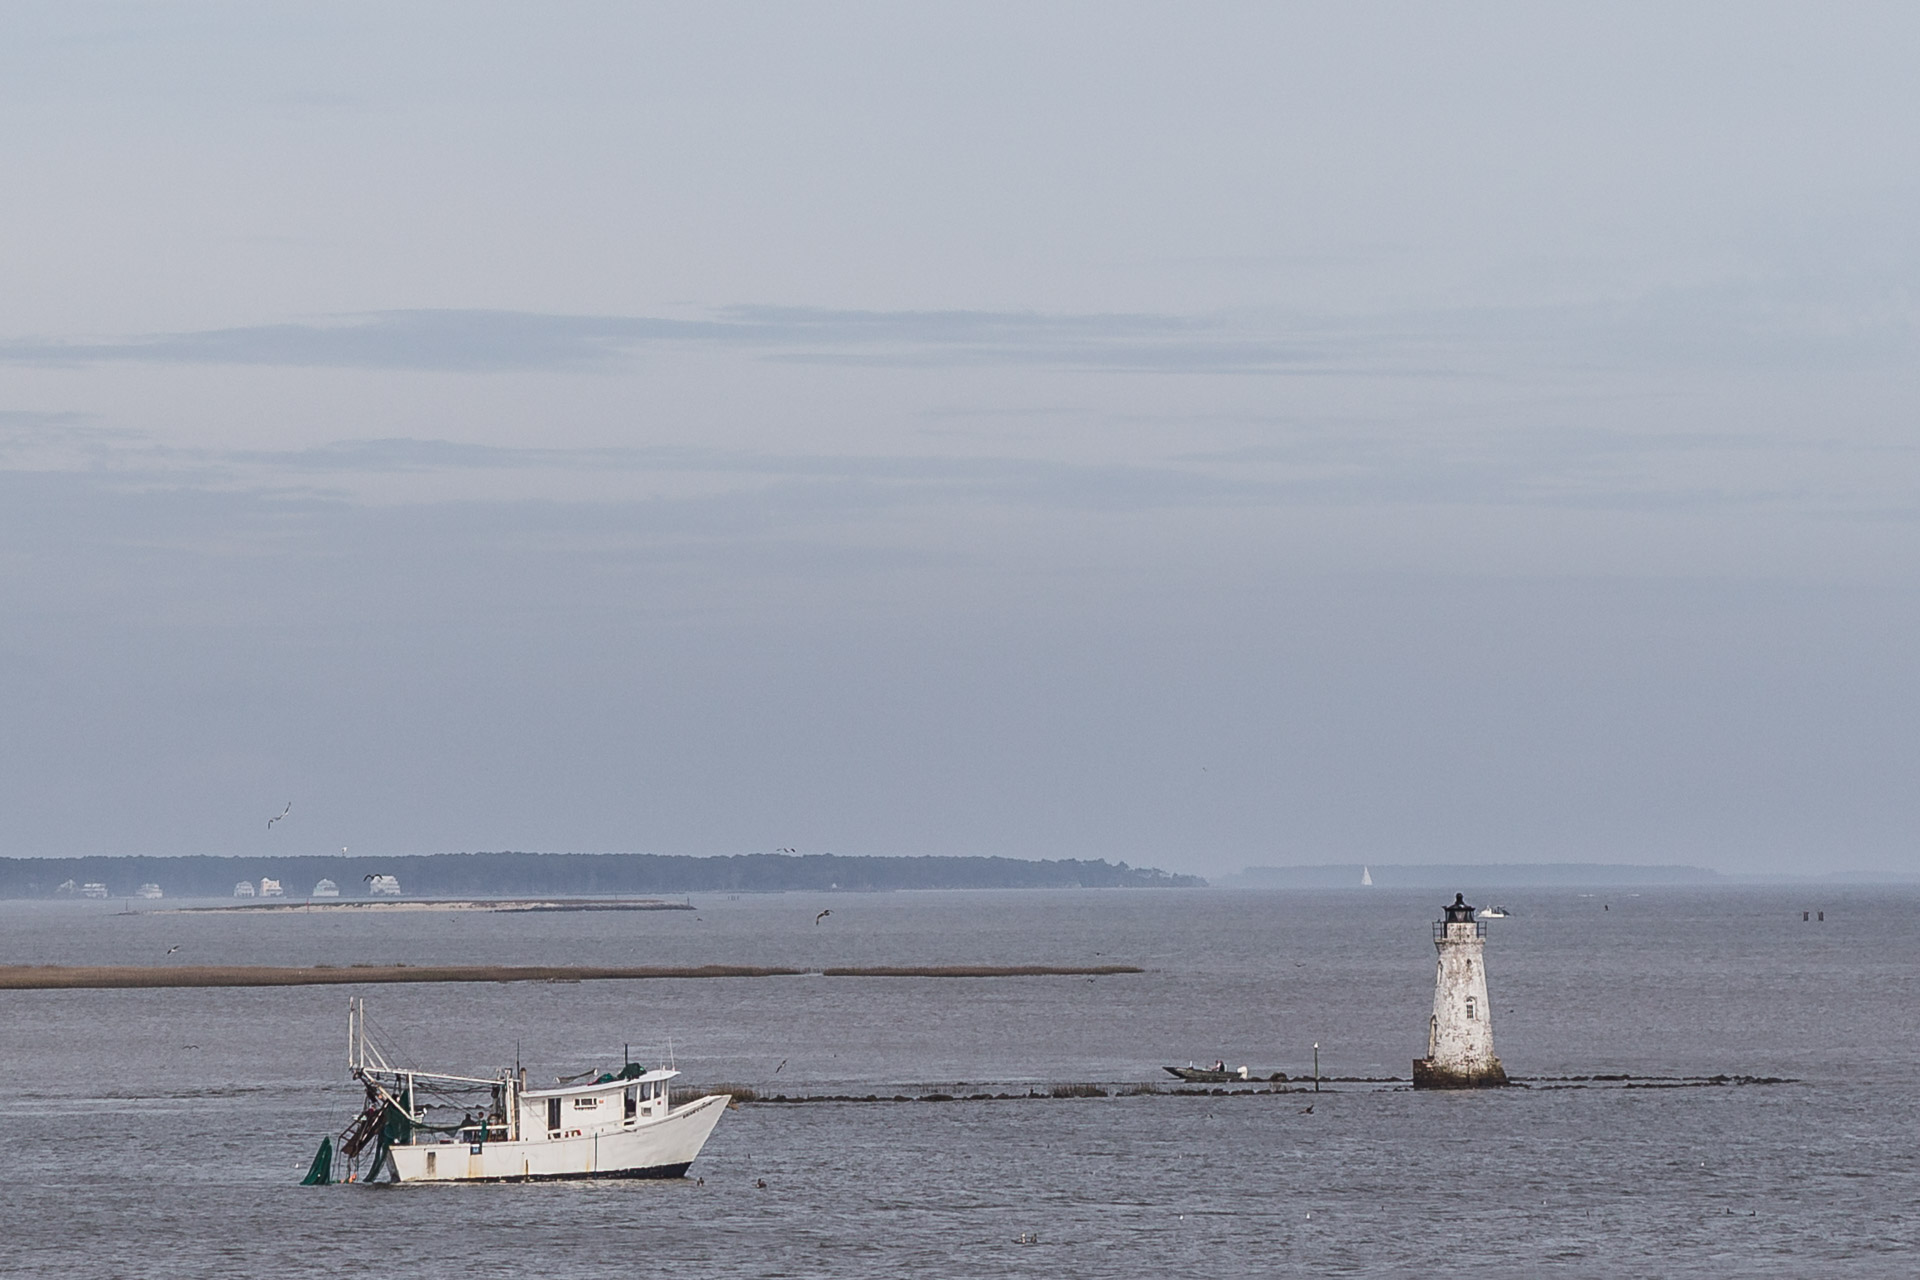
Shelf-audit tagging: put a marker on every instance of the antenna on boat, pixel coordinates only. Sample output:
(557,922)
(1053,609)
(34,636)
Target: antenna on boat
(626,1054)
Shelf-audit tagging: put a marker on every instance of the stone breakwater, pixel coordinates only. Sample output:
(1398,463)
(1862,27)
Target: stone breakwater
(1299,1089)
(23,977)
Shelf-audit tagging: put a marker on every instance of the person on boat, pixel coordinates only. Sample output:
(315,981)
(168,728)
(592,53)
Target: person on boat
(1220,1065)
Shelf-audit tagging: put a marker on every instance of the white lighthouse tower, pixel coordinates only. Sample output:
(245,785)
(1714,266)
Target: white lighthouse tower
(1460,1033)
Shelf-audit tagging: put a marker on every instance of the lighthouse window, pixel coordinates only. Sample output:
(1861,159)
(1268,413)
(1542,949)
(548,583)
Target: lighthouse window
(1469,1008)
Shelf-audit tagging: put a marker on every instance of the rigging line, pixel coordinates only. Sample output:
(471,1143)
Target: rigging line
(445,1100)
(446,1090)
(388,1046)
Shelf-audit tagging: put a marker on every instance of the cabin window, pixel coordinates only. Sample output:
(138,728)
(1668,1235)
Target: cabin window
(553,1115)
(633,1103)
(1469,1008)
(431,1160)
(585,1104)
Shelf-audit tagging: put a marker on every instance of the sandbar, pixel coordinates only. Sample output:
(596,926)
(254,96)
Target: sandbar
(24,977)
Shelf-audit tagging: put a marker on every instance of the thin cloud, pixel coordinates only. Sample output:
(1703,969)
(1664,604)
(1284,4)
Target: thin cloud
(455,341)
(507,341)
(1598,470)
(1760,322)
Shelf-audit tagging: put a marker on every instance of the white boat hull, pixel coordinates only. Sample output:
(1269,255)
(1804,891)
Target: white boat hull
(660,1148)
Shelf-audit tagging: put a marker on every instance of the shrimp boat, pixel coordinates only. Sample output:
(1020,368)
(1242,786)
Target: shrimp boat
(622,1124)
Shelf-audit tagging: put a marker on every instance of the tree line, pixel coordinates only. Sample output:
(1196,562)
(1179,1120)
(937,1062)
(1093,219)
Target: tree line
(453,875)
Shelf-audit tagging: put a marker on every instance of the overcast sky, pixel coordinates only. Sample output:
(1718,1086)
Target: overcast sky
(1194,435)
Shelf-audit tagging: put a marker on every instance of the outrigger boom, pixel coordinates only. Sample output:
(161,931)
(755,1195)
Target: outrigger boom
(620,1125)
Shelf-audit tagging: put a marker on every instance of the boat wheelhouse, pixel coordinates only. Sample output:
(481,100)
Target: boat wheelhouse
(621,1124)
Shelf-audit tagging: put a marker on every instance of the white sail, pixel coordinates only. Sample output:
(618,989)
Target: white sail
(1366,876)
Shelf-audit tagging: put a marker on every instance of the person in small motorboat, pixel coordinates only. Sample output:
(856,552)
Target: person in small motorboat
(1220,1065)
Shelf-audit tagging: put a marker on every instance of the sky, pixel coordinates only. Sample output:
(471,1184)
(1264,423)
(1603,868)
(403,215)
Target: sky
(1197,435)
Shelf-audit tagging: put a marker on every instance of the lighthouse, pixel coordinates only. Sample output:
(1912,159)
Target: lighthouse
(1460,1033)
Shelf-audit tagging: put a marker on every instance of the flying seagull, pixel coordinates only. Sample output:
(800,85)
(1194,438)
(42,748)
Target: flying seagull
(283,813)
(823,915)
(175,947)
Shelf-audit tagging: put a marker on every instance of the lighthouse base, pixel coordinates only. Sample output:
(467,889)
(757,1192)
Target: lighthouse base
(1428,1074)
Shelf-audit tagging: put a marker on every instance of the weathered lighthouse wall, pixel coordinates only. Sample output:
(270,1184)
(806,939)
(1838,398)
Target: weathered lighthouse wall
(1460,1032)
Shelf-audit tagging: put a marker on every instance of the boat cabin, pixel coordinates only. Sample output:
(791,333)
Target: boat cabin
(507,1110)
(610,1103)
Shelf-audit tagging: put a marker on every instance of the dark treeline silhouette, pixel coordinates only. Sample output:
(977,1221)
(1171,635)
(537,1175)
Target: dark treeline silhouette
(454,875)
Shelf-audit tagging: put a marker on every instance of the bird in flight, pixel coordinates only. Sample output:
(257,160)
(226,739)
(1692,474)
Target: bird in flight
(786,851)
(823,915)
(283,813)
(175,947)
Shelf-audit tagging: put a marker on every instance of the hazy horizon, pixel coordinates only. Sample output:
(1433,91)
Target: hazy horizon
(1203,437)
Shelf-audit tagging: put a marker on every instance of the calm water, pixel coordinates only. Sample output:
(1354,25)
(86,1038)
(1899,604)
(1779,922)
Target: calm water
(162,1133)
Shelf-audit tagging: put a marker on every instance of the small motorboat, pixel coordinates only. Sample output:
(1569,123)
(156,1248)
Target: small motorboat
(1215,1074)
(1492,913)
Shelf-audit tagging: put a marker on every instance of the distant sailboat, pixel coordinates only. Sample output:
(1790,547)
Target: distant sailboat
(1366,876)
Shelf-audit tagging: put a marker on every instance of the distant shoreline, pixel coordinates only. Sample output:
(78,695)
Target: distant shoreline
(22,977)
(558,875)
(446,904)
(1515,875)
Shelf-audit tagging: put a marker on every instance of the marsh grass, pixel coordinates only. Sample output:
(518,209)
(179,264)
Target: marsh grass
(1076,1091)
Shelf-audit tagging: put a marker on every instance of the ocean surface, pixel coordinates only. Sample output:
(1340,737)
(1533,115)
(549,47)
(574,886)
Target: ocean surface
(164,1132)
